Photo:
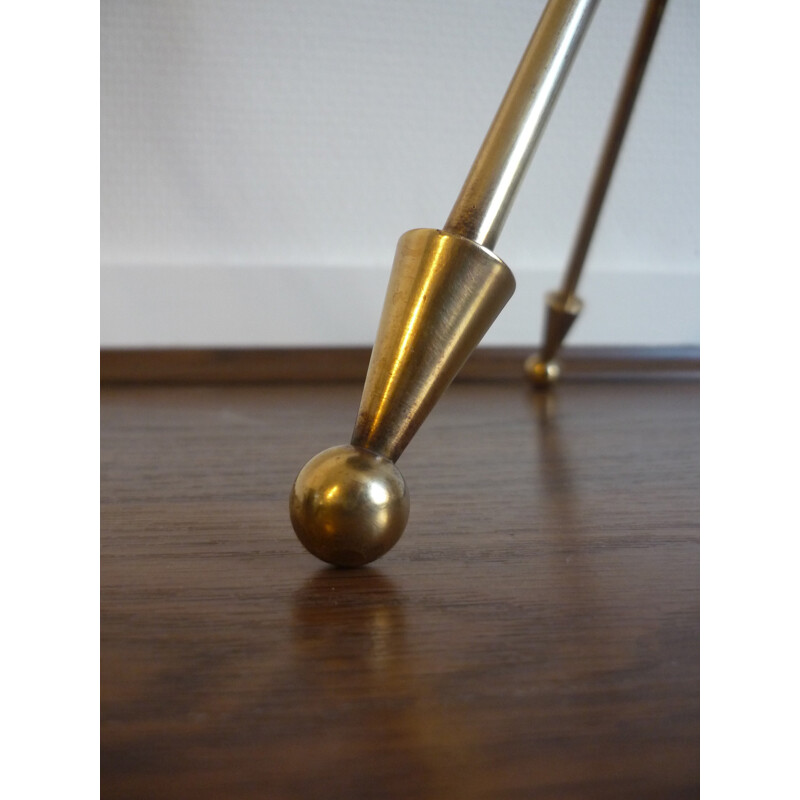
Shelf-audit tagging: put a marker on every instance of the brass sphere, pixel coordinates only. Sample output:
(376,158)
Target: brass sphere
(542,373)
(349,506)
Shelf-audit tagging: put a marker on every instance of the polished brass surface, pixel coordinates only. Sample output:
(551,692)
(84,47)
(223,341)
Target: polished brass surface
(646,36)
(542,373)
(445,290)
(444,293)
(559,316)
(560,312)
(349,506)
(489,190)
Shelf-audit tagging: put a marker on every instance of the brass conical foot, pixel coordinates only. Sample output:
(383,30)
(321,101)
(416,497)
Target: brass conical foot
(561,312)
(444,293)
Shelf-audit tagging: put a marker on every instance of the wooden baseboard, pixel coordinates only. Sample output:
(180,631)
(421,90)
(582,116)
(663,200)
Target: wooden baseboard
(211,365)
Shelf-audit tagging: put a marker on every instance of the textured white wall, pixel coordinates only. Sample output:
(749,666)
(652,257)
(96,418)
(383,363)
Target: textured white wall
(260,160)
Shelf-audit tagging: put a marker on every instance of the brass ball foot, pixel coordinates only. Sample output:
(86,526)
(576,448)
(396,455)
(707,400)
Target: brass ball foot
(349,506)
(542,374)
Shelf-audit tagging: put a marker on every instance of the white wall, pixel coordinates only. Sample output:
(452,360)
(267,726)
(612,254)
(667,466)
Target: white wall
(260,160)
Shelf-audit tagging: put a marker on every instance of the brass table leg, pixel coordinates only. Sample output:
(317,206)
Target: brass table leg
(562,307)
(349,505)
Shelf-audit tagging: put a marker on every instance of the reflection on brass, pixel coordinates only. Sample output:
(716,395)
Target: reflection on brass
(560,312)
(349,489)
(542,373)
(444,293)
(488,192)
(563,307)
(445,290)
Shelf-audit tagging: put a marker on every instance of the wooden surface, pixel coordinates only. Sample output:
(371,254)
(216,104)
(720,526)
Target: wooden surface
(350,363)
(535,632)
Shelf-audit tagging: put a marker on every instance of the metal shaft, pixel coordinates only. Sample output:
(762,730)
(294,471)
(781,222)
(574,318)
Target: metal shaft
(648,28)
(349,504)
(486,197)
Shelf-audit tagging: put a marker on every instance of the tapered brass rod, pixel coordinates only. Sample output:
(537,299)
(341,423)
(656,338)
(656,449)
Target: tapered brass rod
(563,307)
(648,28)
(350,504)
(488,193)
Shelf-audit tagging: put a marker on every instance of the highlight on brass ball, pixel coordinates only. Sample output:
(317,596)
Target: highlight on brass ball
(542,373)
(349,506)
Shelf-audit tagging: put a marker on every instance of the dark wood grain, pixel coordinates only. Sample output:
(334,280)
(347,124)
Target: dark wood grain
(535,632)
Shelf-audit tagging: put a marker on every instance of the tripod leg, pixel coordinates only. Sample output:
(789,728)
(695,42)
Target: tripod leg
(562,307)
(349,504)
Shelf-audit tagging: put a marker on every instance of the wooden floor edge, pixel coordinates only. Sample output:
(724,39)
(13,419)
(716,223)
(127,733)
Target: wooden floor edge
(255,365)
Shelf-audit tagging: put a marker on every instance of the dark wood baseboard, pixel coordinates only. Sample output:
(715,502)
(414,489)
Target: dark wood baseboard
(257,365)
